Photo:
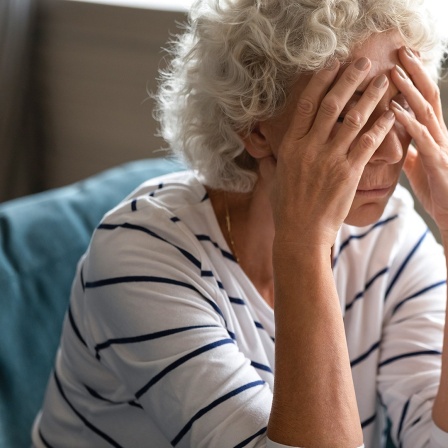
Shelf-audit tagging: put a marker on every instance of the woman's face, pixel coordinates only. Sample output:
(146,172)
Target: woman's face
(381,174)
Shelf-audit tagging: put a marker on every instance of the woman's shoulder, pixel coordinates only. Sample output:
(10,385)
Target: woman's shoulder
(170,192)
(160,216)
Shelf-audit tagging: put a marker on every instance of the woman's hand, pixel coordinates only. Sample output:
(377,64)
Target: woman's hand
(314,174)
(426,164)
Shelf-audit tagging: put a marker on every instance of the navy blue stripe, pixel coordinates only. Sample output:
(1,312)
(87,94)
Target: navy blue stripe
(75,327)
(224,253)
(252,437)
(260,326)
(409,355)
(201,237)
(150,279)
(365,355)
(232,335)
(205,197)
(153,193)
(130,226)
(207,274)
(212,405)
(228,255)
(416,421)
(134,205)
(82,279)
(237,301)
(175,219)
(368,285)
(418,293)
(147,337)
(83,419)
(179,362)
(405,262)
(357,237)
(403,416)
(44,440)
(259,366)
(96,395)
(220,285)
(369,421)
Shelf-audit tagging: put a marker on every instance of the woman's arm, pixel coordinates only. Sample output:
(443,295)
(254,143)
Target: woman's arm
(426,167)
(314,399)
(312,181)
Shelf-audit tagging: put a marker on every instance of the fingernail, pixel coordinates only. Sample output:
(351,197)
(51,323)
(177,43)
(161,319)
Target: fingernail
(409,53)
(362,63)
(380,81)
(395,105)
(401,72)
(389,115)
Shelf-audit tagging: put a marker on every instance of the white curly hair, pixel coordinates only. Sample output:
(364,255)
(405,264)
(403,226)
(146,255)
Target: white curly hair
(237,60)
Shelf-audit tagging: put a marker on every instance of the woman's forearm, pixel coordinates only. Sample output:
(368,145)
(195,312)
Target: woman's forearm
(440,409)
(314,399)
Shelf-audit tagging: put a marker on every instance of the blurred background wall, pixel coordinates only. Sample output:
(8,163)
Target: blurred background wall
(74,82)
(20,144)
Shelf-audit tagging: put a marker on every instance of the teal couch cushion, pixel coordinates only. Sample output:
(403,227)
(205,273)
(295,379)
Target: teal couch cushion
(42,238)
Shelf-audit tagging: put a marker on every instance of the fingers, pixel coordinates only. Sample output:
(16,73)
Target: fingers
(421,79)
(370,141)
(334,102)
(356,118)
(309,100)
(418,131)
(421,93)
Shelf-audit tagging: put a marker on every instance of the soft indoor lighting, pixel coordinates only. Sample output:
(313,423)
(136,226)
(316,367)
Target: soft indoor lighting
(171,5)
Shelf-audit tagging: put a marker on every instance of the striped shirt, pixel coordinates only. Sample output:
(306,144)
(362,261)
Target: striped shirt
(167,342)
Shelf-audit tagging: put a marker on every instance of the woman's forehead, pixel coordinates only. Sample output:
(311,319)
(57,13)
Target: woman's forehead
(382,50)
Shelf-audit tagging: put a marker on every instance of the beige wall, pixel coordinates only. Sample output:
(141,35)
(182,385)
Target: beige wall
(98,63)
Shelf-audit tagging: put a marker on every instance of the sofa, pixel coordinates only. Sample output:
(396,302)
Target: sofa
(42,237)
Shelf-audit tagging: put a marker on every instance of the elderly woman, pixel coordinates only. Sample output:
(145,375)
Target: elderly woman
(283,292)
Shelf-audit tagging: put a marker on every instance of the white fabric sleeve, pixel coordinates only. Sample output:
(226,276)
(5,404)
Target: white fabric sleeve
(439,438)
(412,338)
(271,444)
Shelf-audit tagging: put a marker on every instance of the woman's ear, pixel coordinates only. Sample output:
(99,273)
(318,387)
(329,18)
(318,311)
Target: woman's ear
(256,143)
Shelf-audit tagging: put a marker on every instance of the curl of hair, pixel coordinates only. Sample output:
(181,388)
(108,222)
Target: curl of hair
(237,60)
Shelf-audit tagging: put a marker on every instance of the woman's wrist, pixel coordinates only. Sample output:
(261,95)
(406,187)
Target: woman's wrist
(298,250)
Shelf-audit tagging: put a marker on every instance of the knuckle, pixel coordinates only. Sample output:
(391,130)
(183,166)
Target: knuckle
(371,95)
(382,128)
(435,93)
(305,106)
(367,141)
(353,120)
(424,133)
(429,112)
(330,106)
(351,77)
